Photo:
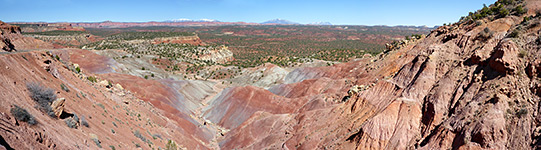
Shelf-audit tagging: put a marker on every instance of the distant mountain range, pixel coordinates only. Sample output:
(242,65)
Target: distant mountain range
(191,20)
(287,22)
(185,22)
(280,21)
(321,23)
(270,22)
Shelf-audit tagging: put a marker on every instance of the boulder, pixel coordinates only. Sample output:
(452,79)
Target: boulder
(505,58)
(103,83)
(533,69)
(119,87)
(53,71)
(58,106)
(354,90)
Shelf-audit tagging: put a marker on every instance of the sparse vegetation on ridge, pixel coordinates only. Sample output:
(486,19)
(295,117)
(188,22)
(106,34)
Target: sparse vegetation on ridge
(56,33)
(499,9)
(146,35)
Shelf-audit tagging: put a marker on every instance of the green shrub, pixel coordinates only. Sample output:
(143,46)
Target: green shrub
(156,136)
(522,54)
(520,113)
(138,135)
(97,141)
(91,79)
(506,2)
(486,34)
(520,10)
(503,12)
(478,23)
(171,145)
(101,105)
(499,11)
(515,33)
(526,19)
(22,115)
(64,87)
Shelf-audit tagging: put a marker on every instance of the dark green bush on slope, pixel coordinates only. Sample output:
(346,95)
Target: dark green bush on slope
(22,115)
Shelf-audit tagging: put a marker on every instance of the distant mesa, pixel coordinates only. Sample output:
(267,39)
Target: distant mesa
(280,21)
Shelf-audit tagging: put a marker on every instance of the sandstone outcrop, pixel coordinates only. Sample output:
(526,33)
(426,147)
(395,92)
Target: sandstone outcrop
(505,58)
(5,42)
(58,106)
(219,55)
(193,40)
(11,39)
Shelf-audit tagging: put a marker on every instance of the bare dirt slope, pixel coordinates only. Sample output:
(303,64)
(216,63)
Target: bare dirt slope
(115,116)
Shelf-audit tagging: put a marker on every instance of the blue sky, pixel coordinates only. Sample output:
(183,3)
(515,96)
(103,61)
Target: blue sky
(344,12)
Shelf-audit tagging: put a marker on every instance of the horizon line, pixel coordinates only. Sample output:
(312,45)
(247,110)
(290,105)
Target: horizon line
(217,21)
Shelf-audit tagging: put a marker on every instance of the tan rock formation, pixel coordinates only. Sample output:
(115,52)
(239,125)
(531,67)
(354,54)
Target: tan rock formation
(58,106)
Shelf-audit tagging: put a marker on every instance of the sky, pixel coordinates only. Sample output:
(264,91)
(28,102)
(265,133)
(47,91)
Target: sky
(338,12)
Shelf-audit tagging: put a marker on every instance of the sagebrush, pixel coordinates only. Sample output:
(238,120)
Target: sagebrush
(22,115)
(83,121)
(43,96)
(71,123)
